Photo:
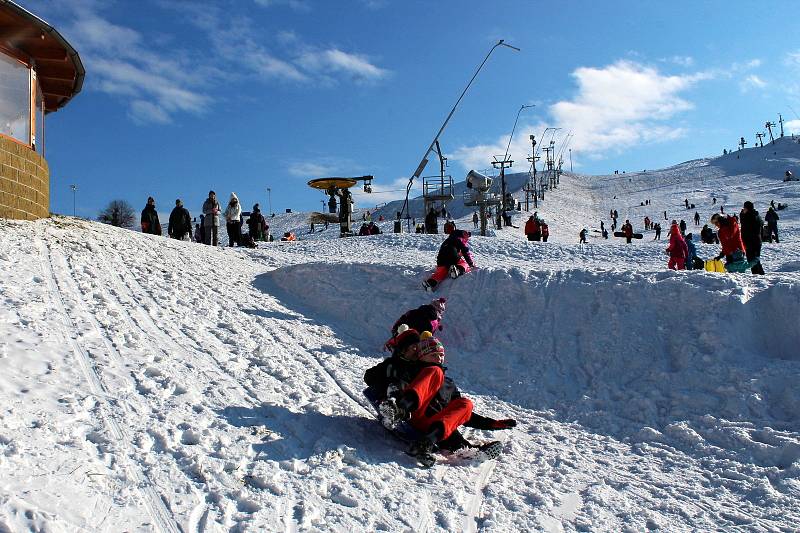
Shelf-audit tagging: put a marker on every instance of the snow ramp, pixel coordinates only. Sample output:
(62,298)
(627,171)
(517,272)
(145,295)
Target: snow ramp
(622,352)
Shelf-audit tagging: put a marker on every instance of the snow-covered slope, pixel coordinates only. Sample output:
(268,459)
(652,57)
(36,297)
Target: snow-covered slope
(149,384)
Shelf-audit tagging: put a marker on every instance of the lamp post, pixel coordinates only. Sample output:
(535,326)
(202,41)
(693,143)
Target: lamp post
(74,190)
(424,161)
(269,198)
(570,159)
(505,158)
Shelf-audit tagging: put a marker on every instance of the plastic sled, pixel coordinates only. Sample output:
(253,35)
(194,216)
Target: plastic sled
(715,265)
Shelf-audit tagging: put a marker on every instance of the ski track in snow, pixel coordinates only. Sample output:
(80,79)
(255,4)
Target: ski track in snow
(162,385)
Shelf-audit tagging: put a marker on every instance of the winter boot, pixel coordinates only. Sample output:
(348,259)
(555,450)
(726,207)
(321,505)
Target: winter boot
(429,284)
(454,272)
(394,411)
(490,450)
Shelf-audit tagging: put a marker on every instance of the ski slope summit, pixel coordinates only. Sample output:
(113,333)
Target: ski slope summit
(155,385)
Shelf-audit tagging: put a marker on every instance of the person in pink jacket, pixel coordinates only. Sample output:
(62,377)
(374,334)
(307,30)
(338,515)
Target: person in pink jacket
(677,249)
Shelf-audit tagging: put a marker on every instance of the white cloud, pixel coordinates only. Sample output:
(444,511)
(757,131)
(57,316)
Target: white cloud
(335,60)
(752,82)
(311,170)
(616,107)
(792,127)
(143,112)
(681,61)
(297,5)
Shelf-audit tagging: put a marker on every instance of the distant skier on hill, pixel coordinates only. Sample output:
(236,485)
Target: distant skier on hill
(411,386)
(454,259)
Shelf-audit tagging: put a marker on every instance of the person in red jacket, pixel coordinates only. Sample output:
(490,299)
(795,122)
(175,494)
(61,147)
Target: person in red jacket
(729,237)
(545,231)
(677,249)
(532,229)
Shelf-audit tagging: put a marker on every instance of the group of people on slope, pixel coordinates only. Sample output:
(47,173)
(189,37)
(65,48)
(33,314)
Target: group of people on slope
(536,229)
(411,386)
(207,231)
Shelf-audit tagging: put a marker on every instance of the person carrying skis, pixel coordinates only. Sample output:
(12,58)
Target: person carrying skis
(772,223)
(751,225)
(677,249)
(411,385)
(454,259)
(150,223)
(729,237)
(426,317)
(180,222)
(532,229)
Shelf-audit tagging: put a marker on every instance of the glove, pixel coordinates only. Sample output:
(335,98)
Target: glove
(506,423)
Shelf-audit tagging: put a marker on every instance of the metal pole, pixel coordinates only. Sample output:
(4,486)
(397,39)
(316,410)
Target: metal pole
(424,161)
(505,158)
(74,190)
(570,159)
(269,198)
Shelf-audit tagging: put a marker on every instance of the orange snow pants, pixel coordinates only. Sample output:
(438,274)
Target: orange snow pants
(426,385)
(442,272)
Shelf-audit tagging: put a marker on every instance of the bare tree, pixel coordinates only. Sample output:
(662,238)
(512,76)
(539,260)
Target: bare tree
(118,213)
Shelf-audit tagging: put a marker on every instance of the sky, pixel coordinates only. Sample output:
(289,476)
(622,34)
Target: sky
(186,96)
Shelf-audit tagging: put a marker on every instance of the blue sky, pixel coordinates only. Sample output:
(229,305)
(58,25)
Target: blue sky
(184,96)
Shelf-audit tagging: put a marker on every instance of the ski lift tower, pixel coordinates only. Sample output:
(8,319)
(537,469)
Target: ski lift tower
(478,195)
(530,187)
(503,163)
(340,186)
(437,190)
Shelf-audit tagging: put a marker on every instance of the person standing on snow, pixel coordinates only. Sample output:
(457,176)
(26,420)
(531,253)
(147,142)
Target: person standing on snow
(211,211)
(411,385)
(180,222)
(475,219)
(627,230)
(454,259)
(683,227)
(582,236)
(545,230)
(255,224)
(691,250)
(431,222)
(696,218)
(729,237)
(751,225)
(233,214)
(772,224)
(532,229)
(149,221)
(677,249)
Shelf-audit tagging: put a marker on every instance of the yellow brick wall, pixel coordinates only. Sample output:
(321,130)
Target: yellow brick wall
(24,182)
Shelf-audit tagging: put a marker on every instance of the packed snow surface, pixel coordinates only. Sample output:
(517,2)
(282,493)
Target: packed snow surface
(155,385)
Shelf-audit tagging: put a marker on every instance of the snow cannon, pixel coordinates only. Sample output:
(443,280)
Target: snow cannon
(476,180)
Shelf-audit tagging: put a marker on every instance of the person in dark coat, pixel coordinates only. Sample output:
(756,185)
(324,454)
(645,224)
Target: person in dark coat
(255,224)
(180,222)
(426,317)
(682,227)
(772,224)
(431,222)
(454,259)
(211,211)
(751,224)
(150,223)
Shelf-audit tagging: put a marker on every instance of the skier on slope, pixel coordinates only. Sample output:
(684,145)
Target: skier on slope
(411,385)
(454,259)
(426,317)
(677,249)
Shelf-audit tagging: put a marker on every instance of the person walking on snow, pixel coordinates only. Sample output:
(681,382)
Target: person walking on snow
(772,224)
(411,386)
(454,259)
(149,221)
(582,236)
(211,211)
(475,219)
(233,214)
(751,225)
(677,249)
(180,222)
(545,230)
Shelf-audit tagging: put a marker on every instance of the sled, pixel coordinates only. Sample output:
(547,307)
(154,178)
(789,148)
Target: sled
(714,265)
(741,266)
(634,236)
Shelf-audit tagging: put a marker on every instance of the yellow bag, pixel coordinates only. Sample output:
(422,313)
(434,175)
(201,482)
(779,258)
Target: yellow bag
(715,265)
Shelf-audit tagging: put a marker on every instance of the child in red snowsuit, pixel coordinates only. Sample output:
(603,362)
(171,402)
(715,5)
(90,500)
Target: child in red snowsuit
(454,258)
(677,249)
(729,236)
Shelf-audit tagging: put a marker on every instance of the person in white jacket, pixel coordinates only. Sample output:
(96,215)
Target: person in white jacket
(233,215)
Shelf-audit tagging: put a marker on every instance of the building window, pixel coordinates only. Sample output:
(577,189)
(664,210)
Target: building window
(15,99)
